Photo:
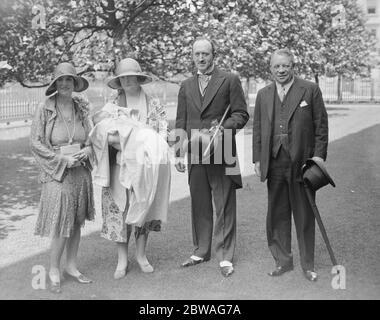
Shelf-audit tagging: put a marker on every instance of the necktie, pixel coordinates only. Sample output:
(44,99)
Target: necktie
(203,82)
(282,93)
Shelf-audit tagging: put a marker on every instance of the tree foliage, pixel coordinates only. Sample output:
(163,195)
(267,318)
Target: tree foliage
(347,47)
(307,29)
(95,34)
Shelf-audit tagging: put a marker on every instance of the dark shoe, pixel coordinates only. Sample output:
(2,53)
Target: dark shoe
(81,278)
(55,287)
(227,271)
(191,262)
(281,270)
(311,275)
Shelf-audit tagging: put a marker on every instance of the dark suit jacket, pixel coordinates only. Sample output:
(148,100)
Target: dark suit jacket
(223,89)
(307,125)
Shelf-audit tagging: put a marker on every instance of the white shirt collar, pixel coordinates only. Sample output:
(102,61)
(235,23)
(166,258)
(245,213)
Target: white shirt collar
(286,87)
(208,71)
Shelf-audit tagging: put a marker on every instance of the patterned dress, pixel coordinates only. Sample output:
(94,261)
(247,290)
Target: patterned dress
(114,227)
(67,193)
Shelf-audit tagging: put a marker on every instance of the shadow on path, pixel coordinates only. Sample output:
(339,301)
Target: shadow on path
(19,187)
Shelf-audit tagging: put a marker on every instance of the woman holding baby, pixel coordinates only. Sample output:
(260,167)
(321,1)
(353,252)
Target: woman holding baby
(133,113)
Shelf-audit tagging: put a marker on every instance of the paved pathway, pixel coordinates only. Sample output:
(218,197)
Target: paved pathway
(350,214)
(21,244)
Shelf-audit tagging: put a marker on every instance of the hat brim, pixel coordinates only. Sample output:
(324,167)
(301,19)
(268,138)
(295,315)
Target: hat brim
(310,162)
(114,82)
(80,84)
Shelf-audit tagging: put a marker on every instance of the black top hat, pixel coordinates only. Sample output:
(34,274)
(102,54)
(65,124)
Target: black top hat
(315,174)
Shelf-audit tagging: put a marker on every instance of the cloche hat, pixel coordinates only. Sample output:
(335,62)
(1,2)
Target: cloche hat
(128,67)
(67,69)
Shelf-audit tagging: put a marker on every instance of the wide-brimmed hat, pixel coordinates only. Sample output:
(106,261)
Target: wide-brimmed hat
(315,174)
(67,69)
(128,67)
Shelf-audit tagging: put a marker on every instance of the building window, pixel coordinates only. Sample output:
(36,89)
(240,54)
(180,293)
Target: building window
(371,6)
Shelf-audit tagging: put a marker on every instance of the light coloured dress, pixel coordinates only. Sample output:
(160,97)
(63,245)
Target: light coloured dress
(114,215)
(67,193)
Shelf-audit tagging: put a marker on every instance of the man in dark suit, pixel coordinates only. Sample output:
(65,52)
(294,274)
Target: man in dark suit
(290,125)
(202,100)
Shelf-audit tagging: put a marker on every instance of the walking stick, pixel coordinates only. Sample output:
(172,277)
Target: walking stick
(320,224)
(315,176)
(216,131)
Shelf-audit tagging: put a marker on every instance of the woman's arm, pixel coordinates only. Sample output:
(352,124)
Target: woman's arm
(52,163)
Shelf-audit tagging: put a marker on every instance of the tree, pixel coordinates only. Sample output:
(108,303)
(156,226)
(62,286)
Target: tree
(95,34)
(307,28)
(159,34)
(349,43)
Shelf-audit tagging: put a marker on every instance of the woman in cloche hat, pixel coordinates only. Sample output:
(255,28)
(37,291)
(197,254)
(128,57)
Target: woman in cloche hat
(127,80)
(60,145)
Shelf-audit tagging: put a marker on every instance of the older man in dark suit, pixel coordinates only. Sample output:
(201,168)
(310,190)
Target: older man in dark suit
(290,126)
(202,100)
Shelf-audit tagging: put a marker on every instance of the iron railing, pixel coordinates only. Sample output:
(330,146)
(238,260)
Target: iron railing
(18,103)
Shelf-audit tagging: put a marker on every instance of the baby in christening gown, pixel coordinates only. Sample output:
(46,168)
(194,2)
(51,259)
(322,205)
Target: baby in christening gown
(119,116)
(149,199)
(111,110)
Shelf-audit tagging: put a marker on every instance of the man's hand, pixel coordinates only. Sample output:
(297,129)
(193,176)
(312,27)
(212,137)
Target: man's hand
(317,159)
(257,169)
(213,129)
(180,165)
(171,137)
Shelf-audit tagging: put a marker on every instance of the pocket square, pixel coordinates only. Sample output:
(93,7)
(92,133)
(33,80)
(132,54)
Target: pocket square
(303,104)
